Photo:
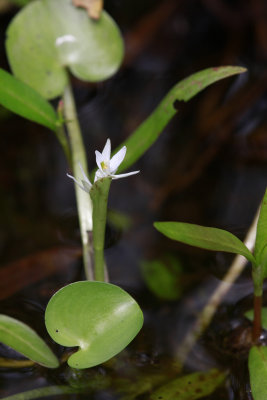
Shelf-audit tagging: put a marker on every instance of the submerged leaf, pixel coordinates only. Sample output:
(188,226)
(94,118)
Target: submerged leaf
(204,237)
(163,277)
(100,318)
(23,339)
(257,364)
(48,36)
(190,387)
(25,101)
(148,132)
(43,392)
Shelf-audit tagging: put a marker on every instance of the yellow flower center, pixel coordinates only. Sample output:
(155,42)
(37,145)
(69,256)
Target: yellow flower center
(104,165)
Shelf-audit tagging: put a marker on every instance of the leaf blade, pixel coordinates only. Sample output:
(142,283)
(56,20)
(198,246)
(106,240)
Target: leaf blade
(257,364)
(204,237)
(100,318)
(148,132)
(60,36)
(190,387)
(25,340)
(163,277)
(25,101)
(261,235)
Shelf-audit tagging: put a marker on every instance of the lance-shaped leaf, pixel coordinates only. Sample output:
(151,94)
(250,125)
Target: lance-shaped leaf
(100,318)
(204,237)
(43,392)
(48,36)
(25,101)
(25,340)
(257,364)
(261,236)
(147,133)
(190,387)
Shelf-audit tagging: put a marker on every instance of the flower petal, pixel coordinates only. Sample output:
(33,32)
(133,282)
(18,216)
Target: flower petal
(85,188)
(85,178)
(106,151)
(99,159)
(99,175)
(117,160)
(124,175)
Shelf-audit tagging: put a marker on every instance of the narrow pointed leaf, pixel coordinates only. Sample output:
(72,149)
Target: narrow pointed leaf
(204,237)
(147,133)
(42,392)
(261,236)
(190,387)
(25,340)
(257,364)
(25,101)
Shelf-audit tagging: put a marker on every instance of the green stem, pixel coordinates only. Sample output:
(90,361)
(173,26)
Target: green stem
(84,204)
(257,327)
(257,276)
(99,195)
(42,392)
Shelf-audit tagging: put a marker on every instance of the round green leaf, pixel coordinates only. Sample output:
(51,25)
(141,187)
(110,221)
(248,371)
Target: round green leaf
(47,36)
(100,318)
(25,340)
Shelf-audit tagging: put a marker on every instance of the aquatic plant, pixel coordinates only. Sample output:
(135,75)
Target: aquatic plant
(99,318)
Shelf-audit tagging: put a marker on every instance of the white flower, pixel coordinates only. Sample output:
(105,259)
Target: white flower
(86,184)
(107,167)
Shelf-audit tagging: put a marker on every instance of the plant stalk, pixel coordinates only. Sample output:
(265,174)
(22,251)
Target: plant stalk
(257,328)
(99,195)
(84,204)
(257,276)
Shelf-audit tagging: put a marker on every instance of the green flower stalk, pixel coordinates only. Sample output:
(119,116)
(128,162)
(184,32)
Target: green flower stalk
(107,168)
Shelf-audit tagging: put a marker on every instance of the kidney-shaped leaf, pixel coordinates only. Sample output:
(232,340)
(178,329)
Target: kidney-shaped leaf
(25,101)
(257,364)
(47,36)
(100,318)
(23,339)
(204,237)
